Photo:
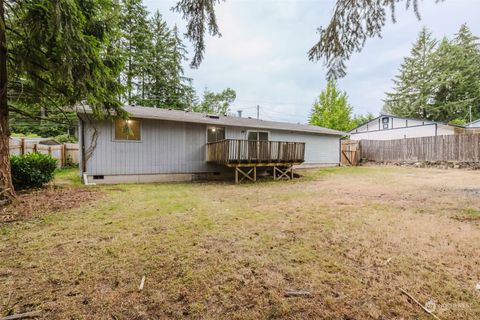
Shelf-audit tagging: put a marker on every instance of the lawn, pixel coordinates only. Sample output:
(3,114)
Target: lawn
(350,237)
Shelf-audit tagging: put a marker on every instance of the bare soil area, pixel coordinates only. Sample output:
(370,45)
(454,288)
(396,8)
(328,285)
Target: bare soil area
(345,241)
(36,203)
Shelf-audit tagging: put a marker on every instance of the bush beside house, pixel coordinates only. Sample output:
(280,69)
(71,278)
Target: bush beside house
(32,170)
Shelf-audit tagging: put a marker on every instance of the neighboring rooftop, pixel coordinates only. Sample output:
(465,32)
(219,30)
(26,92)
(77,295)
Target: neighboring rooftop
(398,117)
(473,124)
(197,117)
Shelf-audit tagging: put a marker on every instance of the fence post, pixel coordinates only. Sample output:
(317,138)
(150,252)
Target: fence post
(62,155)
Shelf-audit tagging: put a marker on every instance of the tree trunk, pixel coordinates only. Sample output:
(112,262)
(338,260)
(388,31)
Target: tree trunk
(7,193)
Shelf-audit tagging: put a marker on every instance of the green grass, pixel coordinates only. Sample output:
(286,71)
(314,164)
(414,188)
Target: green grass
(21,135)
(470,214)
(68,176)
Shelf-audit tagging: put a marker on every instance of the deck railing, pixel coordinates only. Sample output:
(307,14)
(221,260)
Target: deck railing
(233,151)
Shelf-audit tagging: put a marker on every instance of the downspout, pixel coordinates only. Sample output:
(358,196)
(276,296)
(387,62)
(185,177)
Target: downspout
(340,152)
(83,165)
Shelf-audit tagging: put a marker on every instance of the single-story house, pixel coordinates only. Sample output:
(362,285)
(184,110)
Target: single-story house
(389,127)
(171,145)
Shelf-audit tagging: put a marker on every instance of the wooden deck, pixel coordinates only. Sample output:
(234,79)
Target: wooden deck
(246,156)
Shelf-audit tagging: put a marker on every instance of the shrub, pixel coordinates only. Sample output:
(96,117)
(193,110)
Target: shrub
(32,170)
(65,138)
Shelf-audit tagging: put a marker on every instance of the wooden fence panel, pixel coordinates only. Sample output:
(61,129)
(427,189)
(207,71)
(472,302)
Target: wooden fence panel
(64,153)
(455,148)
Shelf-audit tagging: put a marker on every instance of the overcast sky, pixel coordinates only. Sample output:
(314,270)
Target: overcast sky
(262,53)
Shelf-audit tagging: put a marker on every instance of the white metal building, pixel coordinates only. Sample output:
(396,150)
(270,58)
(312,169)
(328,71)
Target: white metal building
(389,127)
(474,124)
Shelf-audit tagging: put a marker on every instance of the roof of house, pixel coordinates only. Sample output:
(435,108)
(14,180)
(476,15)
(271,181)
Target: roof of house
(197,117)
(474,122)
(413,119)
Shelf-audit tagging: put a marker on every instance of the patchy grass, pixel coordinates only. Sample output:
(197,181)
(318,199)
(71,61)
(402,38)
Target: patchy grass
(68,176)
(469,214)
(350,236)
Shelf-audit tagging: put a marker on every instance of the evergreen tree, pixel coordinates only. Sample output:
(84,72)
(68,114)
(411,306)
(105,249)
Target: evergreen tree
(457,78)
(332,110)
(165,83)
(61,53)
(439,82)
(413,86)
(135,43)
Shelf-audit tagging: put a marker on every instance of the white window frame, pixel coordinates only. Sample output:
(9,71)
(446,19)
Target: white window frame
(263,131)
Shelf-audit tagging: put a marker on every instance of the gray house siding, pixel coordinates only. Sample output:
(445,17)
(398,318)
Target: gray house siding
(168,147)
(165,147)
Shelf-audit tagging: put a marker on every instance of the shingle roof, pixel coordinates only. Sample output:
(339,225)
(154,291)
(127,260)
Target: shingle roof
(197,117)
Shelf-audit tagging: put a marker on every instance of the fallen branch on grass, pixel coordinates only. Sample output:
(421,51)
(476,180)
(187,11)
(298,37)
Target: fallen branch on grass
(298,293)
(419,304)
(30,314)
(142,283)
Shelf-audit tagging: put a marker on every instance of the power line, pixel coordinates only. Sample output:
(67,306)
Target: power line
(275,102)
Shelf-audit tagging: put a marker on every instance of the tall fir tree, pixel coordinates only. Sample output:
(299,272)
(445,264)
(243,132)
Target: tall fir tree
(135,43)
(412,92)
(166,86)
(439,82)
(58,54)
(457,78)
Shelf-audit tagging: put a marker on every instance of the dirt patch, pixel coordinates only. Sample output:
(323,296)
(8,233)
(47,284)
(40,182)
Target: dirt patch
(36,203)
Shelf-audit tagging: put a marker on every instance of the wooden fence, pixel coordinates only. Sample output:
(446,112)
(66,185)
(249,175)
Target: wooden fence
(455,148)
(66,153)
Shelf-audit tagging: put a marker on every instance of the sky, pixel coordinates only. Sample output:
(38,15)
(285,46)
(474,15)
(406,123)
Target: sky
(262,53)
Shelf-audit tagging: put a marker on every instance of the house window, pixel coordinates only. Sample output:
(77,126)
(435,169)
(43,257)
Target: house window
(257,136)
(215,134)
(385,122)
(127,130)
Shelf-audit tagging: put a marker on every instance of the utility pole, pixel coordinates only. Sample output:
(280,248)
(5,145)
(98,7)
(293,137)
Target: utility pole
(258,112)
(470,112)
